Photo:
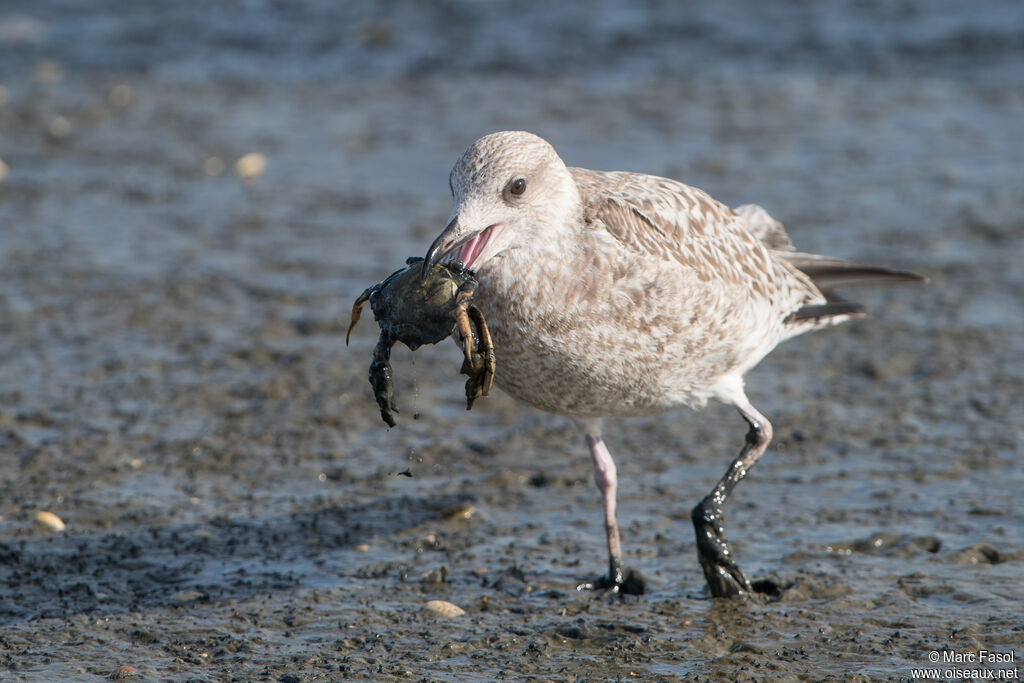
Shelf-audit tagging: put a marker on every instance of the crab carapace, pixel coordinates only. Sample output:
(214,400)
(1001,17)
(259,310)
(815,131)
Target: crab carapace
(417,310)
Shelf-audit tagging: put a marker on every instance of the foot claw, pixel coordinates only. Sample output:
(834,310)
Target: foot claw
(630,584)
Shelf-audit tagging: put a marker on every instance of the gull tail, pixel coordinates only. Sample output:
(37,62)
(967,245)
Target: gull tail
(826,272)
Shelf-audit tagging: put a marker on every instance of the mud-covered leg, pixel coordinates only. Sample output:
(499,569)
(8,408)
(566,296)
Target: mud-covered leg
(380,379)
(723,575)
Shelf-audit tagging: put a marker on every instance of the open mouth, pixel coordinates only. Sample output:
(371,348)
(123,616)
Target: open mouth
(470,252)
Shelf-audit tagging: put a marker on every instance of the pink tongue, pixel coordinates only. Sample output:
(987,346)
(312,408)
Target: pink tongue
(470,251)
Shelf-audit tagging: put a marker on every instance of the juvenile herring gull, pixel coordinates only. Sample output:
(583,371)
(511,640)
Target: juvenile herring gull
(613,294)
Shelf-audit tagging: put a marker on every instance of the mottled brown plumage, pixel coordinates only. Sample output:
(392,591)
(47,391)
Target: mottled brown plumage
(622,294)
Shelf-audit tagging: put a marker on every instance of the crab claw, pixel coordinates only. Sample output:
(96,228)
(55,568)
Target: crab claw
(486,348)
(479,354)
(380,379)
(357,310)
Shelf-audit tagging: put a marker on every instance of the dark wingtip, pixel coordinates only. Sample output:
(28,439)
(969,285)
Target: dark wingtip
(894,275)
(828,310)
(834,306)
(825,271)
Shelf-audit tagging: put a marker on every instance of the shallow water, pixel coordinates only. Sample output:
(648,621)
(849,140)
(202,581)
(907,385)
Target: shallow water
(174,382)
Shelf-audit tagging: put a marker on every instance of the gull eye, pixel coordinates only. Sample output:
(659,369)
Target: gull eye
(517,186)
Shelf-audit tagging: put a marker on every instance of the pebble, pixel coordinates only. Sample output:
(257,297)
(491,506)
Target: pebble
(362,547)
(50,521)
(47,72)
(460,512)
(58,127)
(182,597)
(3,170)
(442,609)
(213,166)
(251,166)
(120,95)
(123,672)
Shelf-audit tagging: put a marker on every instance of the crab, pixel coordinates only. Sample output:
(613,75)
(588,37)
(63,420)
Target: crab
(417,310)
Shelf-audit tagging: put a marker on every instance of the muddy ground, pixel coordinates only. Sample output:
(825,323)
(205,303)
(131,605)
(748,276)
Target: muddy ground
(175,386)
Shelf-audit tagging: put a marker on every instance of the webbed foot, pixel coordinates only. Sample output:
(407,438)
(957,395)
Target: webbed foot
(724,576)
(616,582)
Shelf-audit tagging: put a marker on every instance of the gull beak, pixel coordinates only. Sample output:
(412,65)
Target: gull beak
(449,239)
(473,243)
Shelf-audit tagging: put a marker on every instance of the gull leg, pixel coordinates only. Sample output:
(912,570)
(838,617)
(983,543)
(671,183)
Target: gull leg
(723,575)
(606,478)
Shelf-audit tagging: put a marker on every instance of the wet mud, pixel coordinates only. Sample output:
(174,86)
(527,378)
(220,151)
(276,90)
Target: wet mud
(175,386)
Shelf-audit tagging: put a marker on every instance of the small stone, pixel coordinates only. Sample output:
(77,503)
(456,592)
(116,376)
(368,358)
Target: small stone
(120,95)
(3,170)
(362,547)
(213,166)
(251,165)
(50,521)
(442,609)
(460,512)
(181,597)
(58,127)
(47,71)
(122,672)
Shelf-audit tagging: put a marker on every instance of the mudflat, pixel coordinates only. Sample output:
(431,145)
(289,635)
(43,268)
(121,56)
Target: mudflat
(191,200)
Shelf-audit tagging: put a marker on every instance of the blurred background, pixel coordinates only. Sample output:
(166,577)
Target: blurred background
(191,198)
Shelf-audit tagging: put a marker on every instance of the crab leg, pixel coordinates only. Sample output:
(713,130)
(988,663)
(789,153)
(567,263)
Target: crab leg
(380,379)
(486,349)
(462,323)
(471,366)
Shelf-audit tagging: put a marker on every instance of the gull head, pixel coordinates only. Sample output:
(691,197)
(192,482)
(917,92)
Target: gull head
(509,189)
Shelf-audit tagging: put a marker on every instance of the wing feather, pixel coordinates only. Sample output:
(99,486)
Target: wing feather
(744,254)
(672,221)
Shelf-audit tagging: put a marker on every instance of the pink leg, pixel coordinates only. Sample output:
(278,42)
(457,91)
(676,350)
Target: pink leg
(606,478)
(607,481)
